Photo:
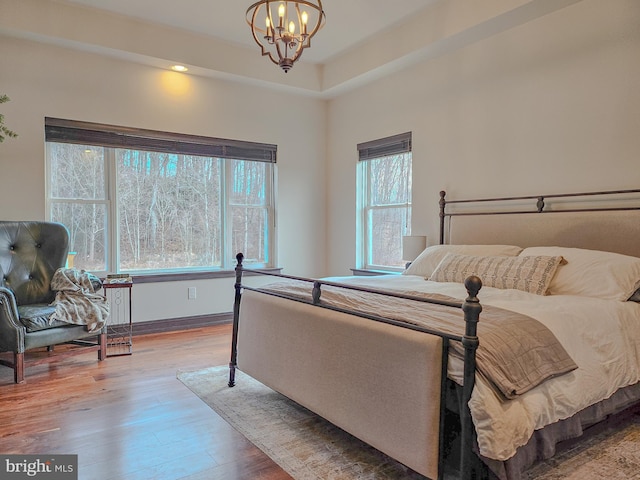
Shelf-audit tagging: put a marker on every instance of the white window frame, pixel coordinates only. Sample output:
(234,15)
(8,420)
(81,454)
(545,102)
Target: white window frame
(377,149)
(81,133)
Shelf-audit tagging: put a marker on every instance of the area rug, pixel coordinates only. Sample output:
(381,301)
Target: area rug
(611,452)
(308,447)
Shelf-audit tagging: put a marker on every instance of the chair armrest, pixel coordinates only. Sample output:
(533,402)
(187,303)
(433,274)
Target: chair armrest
(11,330)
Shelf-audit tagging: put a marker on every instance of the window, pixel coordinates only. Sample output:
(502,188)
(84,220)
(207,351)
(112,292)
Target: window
(384,200)
(143,201)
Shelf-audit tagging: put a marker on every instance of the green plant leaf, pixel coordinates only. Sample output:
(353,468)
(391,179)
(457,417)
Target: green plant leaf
(5,131)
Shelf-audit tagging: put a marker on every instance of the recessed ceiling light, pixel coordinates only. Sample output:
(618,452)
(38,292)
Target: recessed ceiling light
(179,68)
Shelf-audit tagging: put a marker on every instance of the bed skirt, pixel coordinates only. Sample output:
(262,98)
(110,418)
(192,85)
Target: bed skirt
(543,443)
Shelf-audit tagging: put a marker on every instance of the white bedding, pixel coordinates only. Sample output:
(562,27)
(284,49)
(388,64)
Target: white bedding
(602,337)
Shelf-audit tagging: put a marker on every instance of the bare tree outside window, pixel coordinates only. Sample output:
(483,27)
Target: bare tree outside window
(387,209)
(169,210)
(77,186)
(249,210)
(173,210)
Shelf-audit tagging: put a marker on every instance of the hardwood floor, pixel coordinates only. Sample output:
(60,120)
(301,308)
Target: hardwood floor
(129,417)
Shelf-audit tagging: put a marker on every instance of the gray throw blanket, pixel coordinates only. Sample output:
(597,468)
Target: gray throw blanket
(516,352)
(76,301)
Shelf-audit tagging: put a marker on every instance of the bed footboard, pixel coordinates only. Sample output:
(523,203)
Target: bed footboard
(381,383)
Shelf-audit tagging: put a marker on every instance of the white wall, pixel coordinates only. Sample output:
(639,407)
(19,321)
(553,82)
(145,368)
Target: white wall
(551,106)
(49,81)
(546,107)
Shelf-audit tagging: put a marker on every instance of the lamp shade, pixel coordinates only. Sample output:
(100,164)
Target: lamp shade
(412,246)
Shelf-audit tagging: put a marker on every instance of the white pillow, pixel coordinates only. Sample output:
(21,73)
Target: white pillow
(592,273)
(431,256)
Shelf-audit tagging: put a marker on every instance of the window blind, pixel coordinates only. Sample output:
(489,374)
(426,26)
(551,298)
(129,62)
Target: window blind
(383,147)
(87,133)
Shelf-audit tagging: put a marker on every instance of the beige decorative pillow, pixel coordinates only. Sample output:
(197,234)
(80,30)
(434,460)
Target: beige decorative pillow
(429,259)
(531,274)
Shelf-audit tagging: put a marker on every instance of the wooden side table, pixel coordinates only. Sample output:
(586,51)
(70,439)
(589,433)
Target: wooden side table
(119,327)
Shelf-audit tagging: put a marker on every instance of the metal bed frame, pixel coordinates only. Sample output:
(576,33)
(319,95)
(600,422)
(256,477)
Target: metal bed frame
(471,309)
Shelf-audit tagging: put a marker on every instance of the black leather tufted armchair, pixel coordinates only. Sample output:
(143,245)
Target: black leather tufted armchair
(30,253)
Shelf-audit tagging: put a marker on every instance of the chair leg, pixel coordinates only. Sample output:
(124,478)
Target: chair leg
(102,351)
(18,367)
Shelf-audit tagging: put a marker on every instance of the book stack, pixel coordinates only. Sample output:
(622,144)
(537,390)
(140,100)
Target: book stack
(118,278)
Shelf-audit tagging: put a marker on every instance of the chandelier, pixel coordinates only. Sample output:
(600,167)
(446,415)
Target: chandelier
(283,29)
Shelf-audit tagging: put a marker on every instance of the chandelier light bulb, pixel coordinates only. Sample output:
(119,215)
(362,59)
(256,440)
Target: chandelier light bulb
(269,33)
(281,15)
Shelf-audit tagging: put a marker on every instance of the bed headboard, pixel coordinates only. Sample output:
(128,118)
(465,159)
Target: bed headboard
(608,221)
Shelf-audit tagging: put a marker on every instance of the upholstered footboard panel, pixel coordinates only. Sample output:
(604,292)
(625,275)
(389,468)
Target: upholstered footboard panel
(379,382)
